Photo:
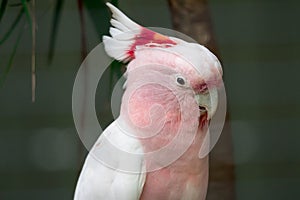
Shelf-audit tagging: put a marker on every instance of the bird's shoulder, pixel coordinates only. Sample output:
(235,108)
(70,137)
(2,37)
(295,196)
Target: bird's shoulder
(106,172)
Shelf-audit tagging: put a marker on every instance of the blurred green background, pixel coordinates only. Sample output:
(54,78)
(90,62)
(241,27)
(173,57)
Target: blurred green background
(40,152)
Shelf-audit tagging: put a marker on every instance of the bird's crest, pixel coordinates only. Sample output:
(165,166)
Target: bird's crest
(127,36)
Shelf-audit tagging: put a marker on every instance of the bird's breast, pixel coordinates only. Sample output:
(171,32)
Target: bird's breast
(185,178)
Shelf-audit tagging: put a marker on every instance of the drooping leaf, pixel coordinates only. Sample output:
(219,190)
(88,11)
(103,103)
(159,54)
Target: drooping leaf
(27,12)
(13,26)
(54,29)
(2,8)
(11,59)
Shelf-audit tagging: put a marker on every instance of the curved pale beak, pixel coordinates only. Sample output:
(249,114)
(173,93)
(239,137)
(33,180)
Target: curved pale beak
(208,101)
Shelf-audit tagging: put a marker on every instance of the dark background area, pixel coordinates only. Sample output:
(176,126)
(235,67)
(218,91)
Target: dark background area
(259,43)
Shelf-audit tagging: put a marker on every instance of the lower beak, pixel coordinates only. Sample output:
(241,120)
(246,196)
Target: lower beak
(208,102)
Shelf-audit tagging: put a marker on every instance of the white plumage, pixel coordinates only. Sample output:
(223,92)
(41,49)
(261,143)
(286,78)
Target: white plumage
(98,181)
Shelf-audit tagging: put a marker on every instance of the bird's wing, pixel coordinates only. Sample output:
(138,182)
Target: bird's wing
(100,180)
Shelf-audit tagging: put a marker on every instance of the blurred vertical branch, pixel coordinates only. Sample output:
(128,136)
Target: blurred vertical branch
(33,52)
(193,18)
(83,41)
(100,16)
(30,15)
(82,28)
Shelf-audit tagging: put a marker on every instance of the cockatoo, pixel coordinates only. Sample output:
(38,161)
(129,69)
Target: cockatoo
(151,151)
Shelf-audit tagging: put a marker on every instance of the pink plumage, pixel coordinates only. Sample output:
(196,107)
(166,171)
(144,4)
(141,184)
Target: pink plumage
(170,96)
(187,177)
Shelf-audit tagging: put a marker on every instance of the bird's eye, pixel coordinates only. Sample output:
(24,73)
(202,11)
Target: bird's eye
(180,80)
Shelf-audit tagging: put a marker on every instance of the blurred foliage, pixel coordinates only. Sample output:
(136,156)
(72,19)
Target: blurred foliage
(2,8)
(98,10)
(30,16)
(55,22)
(6,36)
(259,43)
(95,9)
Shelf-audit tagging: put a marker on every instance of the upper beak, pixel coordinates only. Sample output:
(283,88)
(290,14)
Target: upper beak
(209,101)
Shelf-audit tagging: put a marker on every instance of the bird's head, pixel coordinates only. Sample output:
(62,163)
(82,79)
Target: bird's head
(191,67)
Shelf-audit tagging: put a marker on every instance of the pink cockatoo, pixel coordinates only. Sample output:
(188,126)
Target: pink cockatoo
(151,151)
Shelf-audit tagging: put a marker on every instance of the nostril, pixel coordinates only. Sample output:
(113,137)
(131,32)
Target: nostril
(203,88)
(202,109)
(200,88)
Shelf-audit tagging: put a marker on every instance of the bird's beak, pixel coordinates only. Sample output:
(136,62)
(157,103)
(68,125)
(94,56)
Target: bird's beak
(208,102)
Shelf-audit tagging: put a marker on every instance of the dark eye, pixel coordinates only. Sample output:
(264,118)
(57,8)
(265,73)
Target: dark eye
(180,81)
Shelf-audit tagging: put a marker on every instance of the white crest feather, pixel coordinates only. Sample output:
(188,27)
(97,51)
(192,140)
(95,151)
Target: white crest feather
(123,32)
(122,18)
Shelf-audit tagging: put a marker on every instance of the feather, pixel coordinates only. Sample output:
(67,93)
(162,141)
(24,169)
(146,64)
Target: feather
(122,19)
(127,36)
(99,181)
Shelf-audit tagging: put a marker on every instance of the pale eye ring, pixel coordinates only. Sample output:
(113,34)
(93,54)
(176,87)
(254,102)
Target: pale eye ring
(180,80)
